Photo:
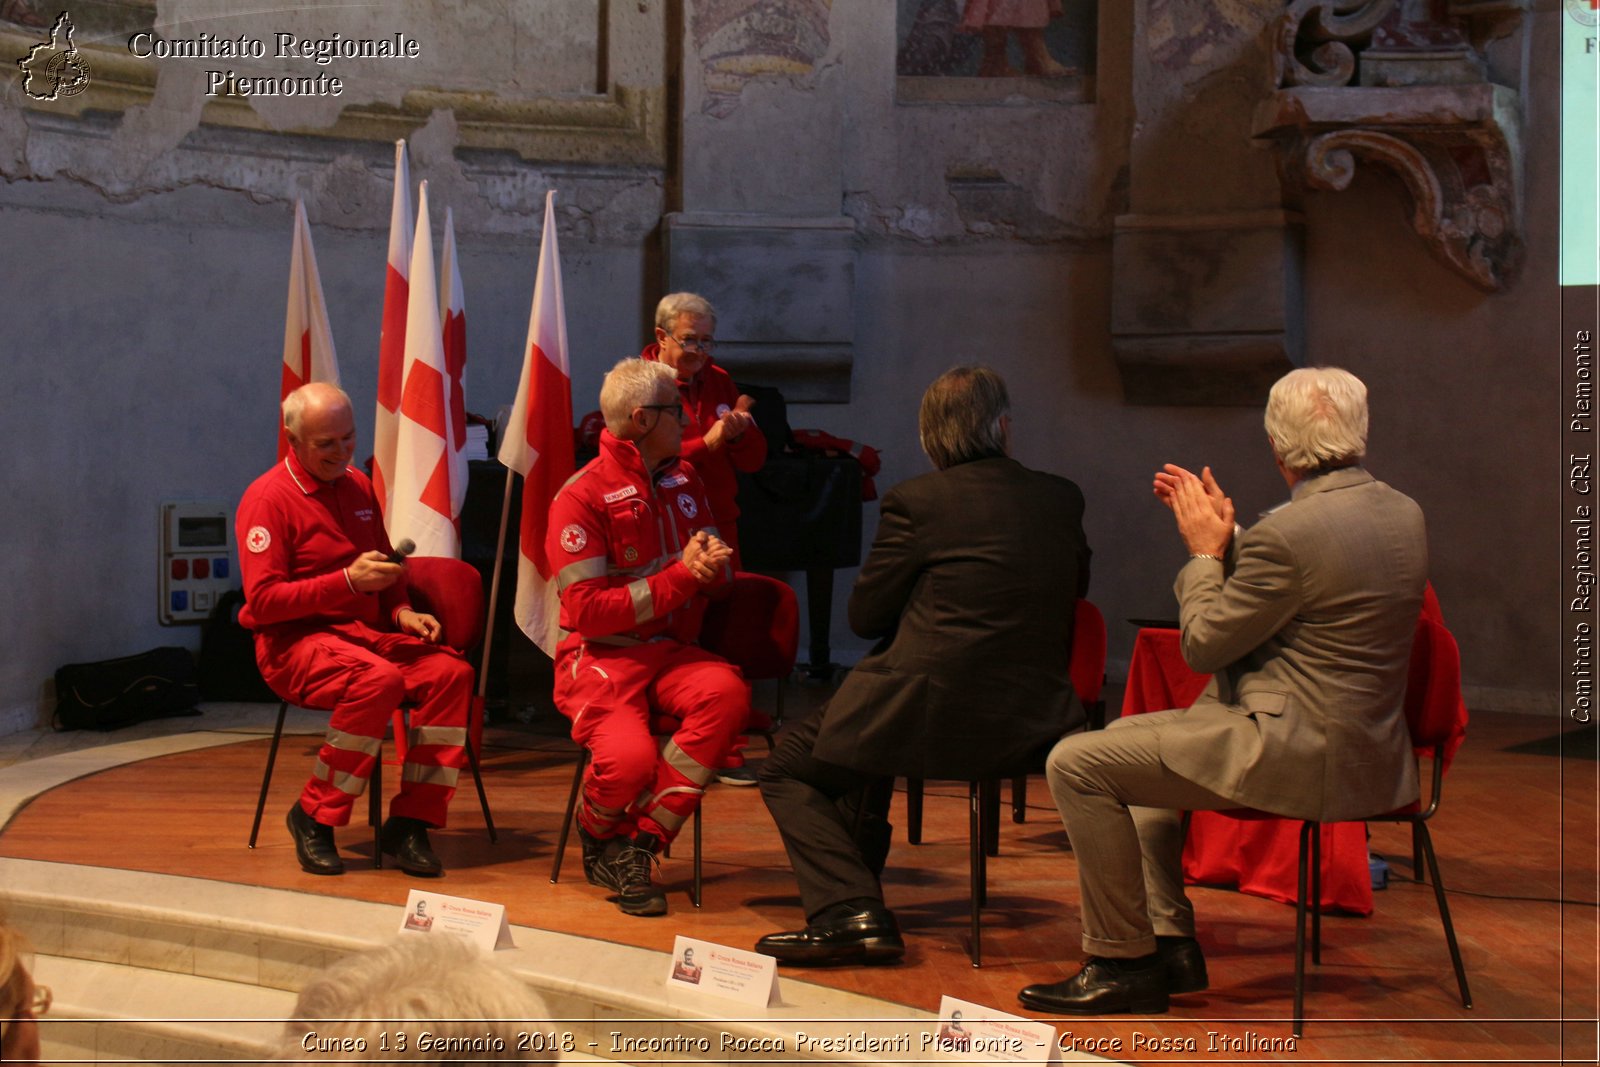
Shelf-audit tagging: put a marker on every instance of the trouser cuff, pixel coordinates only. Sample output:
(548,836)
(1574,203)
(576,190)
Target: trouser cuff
(1120,950)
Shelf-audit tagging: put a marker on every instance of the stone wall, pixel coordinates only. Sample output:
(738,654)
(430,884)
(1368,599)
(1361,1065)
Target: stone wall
(956,219)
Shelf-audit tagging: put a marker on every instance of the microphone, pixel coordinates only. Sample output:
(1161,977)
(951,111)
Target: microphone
(402,550)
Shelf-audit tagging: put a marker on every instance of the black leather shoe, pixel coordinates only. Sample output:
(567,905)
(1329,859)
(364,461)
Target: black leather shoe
(1105,987)
(406,839)
(869,936)
(313,843)
(1185,964)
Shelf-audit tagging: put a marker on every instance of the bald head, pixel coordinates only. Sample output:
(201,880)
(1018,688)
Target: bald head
(322,429)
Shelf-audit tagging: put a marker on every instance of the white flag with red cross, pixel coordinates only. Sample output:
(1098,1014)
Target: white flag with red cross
(453,312)
(308,354)
(421,508)
(392,338)
(537,442)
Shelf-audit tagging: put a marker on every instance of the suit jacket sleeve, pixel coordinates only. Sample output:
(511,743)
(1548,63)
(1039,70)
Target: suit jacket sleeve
(1225,619)
(890,572)
(1084,552)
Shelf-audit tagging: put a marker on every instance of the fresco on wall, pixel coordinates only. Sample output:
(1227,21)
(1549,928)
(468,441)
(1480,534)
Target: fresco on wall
(1183,34)
(995,38)
(740,40)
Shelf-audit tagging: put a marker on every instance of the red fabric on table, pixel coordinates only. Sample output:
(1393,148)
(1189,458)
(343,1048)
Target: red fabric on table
(1260,856)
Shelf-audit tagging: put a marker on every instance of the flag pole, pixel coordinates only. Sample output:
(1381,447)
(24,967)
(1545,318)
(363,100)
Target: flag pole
(494,586)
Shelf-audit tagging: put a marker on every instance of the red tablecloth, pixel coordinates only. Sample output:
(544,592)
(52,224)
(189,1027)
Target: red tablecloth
(1260,856)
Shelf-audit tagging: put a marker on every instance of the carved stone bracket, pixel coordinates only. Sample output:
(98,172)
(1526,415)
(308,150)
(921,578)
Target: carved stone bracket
(1423,110)
(1455,148)
(1315,40)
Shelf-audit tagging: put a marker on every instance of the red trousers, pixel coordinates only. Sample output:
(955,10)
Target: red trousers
(612,694)
(362,675)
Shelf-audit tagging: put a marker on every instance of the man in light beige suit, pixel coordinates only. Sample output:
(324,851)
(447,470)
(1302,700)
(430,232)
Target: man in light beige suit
(1306,621)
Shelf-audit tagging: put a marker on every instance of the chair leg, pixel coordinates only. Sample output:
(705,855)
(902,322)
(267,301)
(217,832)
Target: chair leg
(976,871)
(266,777)
(477,780)
(1417,830)
(1019,799)
(572,806)
(1306,829)
(1316,894)
(914,810)
(698,884)
(989,797)
(375,808)
(1444,912)
(777,713)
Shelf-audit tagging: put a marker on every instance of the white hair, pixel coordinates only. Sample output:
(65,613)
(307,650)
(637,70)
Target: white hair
(469,1007)
(294,405)
(634,383)
(674,304)
(1317,417)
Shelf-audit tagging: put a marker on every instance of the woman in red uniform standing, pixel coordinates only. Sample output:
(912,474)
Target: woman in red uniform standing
(721,436)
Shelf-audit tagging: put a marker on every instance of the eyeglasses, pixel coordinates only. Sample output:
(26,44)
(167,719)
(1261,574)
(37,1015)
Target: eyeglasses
(699,344)
(675,409)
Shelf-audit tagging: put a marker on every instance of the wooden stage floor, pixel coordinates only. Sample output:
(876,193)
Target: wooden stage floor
(1516,839)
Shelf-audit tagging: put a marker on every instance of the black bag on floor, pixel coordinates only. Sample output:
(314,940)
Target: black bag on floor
(228,668)
(120,692)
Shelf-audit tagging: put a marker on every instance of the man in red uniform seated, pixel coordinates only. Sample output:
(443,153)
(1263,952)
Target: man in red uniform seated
(636,553)
(326,596)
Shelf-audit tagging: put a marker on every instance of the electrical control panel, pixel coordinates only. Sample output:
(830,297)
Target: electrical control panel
(197,560)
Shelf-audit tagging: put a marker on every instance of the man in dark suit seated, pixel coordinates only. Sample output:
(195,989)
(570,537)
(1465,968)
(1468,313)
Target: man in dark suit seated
(970,591)
(1305,620)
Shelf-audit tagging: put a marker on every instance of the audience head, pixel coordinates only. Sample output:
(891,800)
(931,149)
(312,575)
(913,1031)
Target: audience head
(686,328)
(640,402)
(1317,417)
(21,1000)
(965,416)
(322,429)
(471,1008)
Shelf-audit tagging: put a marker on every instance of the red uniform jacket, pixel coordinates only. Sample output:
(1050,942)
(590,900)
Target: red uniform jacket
(706,397)
(296,536)
(616,539)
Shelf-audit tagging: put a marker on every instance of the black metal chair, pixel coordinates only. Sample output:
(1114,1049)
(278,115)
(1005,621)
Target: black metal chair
(452,591)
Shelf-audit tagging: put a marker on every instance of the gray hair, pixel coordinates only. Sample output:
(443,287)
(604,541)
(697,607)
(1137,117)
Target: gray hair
(674,304)
(1316,417)
(634,383)
(961,415)
(294,405)
(470,1007)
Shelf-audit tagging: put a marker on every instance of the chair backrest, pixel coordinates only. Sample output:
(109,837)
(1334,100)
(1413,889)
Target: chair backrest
(1088,663)
(452,591)
(1434,711)
(756,627)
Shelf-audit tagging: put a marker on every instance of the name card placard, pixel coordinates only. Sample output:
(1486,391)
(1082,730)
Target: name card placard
(974,1033)
(482,923)
(703,968)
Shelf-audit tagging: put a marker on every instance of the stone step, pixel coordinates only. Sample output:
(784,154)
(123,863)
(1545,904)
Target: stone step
(107,1011)
(98,929)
